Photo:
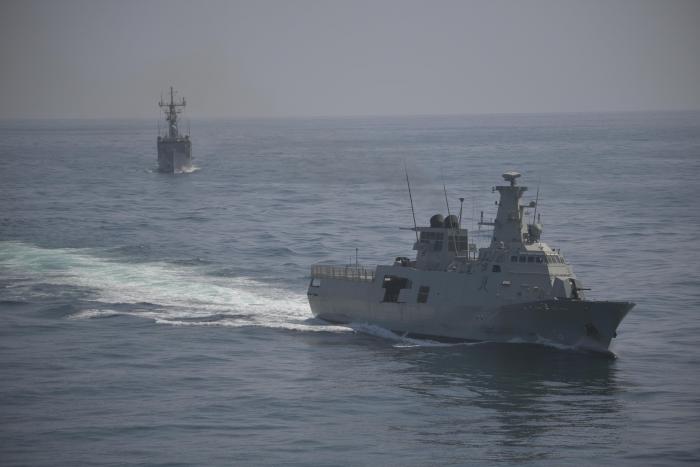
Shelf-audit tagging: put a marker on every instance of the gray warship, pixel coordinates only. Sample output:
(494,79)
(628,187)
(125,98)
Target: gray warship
(174,149)
(517,289)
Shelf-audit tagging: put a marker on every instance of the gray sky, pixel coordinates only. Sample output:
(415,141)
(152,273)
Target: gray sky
(91,58)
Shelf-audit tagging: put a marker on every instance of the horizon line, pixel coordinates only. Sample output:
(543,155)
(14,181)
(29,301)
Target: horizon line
(353,116)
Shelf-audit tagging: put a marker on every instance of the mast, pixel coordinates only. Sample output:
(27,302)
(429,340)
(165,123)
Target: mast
(410,197)
(449,215)
(171,109)
(508,226)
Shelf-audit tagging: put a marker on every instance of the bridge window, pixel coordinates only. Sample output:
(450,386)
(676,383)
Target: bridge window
(530,259)
(423,294)
(496,268)
(523,259)
(513,259)
(393,286)
(539,259)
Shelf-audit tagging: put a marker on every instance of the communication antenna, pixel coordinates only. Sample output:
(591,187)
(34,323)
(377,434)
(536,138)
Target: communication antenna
(537,201)
(415,225)
(449,215)
(461,203)
(161,100)
(459,226)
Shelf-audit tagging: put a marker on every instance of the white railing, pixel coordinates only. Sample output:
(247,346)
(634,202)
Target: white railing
(350,272)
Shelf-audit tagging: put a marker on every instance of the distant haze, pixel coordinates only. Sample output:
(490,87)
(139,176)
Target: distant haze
(89,58)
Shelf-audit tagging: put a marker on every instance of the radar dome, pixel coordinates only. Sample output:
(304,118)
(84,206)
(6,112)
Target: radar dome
(437,220)
(451,221)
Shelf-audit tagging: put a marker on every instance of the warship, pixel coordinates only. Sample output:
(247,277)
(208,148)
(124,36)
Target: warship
(517,289)
(174,149)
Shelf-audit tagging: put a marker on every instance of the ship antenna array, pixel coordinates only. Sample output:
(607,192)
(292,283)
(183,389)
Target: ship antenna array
(410,197)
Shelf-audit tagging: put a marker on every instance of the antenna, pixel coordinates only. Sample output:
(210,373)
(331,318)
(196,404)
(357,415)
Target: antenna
(537,201)
(415,226)
(449,215)
(461,203)
(444,189)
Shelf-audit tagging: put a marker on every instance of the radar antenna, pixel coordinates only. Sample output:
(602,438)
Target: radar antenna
(511,177)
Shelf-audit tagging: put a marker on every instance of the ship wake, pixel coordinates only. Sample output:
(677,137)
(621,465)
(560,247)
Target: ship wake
(162,292)
(187,170)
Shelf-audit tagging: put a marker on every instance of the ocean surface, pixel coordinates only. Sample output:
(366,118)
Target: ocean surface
(151,319)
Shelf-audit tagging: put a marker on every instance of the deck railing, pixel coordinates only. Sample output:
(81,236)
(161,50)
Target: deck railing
(350,272)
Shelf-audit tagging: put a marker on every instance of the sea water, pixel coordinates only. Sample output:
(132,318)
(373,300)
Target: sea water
(159,319)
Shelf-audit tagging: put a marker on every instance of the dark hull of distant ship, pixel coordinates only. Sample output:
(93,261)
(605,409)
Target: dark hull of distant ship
(174,155)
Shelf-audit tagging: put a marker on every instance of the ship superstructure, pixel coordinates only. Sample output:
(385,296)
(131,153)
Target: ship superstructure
(174,148)
(517,288)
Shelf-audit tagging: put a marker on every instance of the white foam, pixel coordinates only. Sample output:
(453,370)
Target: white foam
(92,313)
(403,341)
(584,345)
(166,293)
(187,170)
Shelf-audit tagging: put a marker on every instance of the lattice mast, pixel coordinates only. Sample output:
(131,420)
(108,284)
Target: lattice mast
(171,109)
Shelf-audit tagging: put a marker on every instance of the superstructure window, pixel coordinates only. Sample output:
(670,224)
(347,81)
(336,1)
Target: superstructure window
(432,236)
(539,259)
(496,268)
(530,259)
(393,286)
(462,242)
(523,259)
(423,294)
(513,259)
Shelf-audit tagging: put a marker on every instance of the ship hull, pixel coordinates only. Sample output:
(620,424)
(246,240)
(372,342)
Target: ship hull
(579,324)
(174,156)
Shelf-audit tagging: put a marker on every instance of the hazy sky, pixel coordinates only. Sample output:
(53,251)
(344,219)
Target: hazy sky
(305,58)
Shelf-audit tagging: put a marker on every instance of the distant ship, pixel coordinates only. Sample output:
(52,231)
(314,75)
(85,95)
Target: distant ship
(518,289)
(174,149)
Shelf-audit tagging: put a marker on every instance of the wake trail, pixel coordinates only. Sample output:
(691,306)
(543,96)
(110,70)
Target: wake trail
(165,293)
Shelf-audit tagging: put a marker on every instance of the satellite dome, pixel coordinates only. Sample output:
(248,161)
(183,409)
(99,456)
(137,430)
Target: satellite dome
(451,221)
(437,220)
